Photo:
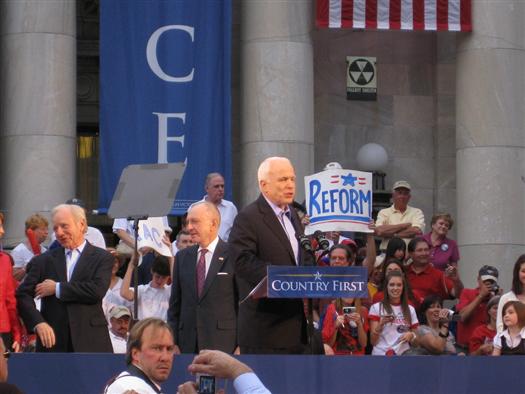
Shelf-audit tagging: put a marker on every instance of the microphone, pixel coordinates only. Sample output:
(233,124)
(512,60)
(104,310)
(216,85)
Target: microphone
(321,239)
(305,243)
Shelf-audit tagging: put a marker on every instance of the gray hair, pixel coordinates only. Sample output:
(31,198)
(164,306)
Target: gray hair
(265,167)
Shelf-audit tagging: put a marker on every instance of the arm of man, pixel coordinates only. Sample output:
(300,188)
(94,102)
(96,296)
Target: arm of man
(390,230)
(467,305)
(174,307)
(417,225)
(224,366)
(25,293)
(410,232)
(92,289)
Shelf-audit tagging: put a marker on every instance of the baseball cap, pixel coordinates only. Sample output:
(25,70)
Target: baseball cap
(333,166)
(76,201)
(488,272)
(399,184)
(118,311)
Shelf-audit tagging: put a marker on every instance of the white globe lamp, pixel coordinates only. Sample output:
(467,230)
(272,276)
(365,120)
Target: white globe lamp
(372,157)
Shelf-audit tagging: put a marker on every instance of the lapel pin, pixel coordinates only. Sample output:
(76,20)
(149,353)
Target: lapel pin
(221,260)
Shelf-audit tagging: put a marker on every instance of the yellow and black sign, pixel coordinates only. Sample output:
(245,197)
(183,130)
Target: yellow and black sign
(361,78)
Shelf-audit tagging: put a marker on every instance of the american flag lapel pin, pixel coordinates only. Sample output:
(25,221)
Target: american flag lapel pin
(221,260)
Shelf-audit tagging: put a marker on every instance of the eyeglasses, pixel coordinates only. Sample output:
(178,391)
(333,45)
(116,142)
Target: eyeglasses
(6,354)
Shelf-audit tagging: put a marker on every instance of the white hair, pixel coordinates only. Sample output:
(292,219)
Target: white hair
(264,168)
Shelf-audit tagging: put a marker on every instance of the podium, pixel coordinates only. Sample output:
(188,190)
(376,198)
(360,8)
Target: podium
(312,282)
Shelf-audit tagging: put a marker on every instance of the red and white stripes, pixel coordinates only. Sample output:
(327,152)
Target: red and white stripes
(441,15)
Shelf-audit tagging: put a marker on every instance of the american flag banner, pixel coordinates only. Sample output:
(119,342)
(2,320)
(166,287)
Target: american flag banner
(441,15)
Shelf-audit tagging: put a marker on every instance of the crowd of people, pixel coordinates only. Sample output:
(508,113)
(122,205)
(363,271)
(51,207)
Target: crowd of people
(77,295)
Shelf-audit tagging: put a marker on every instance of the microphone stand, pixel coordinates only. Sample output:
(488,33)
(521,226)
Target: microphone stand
(306,245)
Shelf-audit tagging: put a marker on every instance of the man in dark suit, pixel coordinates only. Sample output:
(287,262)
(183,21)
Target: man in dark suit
(265,233)
(71,281)
(203,303)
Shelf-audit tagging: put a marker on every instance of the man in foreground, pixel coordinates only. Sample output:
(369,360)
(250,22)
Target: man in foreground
(149,358)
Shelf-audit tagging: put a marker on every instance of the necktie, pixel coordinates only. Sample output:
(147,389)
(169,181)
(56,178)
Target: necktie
(201,271)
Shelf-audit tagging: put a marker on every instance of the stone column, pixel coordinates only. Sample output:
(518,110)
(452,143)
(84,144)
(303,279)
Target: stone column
(37,108)
(277,112)
(490,140)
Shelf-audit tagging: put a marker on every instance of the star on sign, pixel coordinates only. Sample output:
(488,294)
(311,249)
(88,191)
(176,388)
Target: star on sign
(317,276)
(349,179)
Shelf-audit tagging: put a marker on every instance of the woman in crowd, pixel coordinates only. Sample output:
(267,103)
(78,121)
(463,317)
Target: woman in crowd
(511,341)
(10,328)
(482,338)
(345,327)
(517,292)
(393,320)
(433,336)
(396,249)
(389,266)
(443,251)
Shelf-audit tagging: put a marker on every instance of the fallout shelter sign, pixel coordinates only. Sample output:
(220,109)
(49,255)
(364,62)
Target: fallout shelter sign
(361,78)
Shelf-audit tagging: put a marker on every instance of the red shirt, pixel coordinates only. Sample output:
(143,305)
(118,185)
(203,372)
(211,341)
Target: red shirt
(478,316)
(429,281)
(481,335)
(8,317)
(344,343)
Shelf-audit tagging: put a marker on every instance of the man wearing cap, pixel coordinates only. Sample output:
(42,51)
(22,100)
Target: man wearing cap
(472,305)
(400,220)
(119,317)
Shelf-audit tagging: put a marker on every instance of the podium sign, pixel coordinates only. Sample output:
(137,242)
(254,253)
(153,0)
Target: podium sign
(317,282)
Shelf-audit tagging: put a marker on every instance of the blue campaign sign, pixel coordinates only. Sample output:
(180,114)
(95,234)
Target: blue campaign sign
(165,91)
(317,282)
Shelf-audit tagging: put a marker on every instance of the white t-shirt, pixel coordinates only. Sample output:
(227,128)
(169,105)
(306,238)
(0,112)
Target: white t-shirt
(113,298)
(125,382)
(118,343)
(392,332)
(154,302)
(21,255)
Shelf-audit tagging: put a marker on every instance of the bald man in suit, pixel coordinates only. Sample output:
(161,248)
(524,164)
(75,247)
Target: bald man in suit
(203,303)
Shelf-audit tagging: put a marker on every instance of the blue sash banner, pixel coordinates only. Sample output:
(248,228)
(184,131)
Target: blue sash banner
(165,73)
(317,282)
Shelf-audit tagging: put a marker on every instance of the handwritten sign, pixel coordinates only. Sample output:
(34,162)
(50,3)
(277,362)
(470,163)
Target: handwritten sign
(339,200)
(151,232)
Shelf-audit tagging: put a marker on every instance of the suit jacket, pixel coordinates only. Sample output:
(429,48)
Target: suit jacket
(208,322)
(77,315)
(257,240)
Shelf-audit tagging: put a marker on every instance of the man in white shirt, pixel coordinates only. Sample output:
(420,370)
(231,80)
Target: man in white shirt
(149,358)
(399,220)
(182,241)
(119,317)
(214,187)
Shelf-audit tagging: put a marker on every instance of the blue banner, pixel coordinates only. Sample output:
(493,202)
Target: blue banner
(165,91)
(317,282)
